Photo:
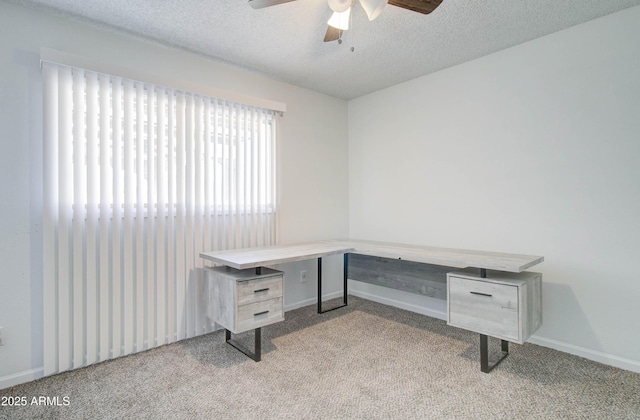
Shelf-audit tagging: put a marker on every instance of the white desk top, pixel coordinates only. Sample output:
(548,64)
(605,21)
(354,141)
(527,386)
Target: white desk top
(449,257)
(458,258)
(258,257)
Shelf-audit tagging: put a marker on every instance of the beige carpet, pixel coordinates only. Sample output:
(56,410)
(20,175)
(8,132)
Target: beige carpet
(364,361)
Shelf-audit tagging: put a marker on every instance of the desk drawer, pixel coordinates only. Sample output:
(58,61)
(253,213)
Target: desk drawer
(259,314)
(257,290)
(484,307)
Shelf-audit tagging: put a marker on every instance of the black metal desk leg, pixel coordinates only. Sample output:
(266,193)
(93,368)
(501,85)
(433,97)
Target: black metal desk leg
(485,365)
(256,354)
(344,297)
(345,275)
(320,285)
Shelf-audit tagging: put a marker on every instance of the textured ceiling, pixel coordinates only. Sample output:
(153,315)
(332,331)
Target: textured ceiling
(284,42)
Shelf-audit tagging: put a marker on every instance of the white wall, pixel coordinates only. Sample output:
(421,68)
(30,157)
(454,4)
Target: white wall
(535,150)
(312,161)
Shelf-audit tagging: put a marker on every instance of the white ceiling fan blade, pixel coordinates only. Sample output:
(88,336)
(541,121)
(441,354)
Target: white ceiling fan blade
(340,20)
(373,7)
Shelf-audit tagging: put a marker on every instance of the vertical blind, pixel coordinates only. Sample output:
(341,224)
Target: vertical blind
(139,179)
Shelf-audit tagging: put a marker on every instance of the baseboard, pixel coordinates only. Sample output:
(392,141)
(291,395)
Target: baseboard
(400,304)
(21,377)
(8,381)
(590,354)
(31,375)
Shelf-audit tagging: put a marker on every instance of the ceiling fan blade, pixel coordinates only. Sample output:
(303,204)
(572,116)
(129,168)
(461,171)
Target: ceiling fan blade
(420,6)
(332,34)
(259,4)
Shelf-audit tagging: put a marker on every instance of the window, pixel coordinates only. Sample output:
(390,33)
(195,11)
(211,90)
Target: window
(139,179)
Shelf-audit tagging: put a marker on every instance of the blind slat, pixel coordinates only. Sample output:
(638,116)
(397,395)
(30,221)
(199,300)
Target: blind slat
(117,257)
(129,271)
(181,270)
(50,216)
(161,234)
(150,222)
(78,223)
(106,197)
(92,275)
(140,187)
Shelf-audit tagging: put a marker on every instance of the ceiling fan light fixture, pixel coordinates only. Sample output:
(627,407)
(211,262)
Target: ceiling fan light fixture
(373,7)
(339,6)
(340,20)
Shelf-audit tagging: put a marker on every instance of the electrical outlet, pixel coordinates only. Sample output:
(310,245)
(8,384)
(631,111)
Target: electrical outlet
(303,276)
(1,336)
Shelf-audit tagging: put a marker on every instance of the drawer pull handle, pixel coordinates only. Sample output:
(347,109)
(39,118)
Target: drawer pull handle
(480,294)
(261,290)
(261,313)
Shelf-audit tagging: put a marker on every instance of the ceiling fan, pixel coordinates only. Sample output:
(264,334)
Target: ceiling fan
(339,21)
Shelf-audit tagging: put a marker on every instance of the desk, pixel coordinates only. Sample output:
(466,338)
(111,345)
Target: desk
(259,257)
(256,258)
(457,258)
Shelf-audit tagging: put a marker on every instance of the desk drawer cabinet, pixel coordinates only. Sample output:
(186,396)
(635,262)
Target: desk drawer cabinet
(241,300)
(502,305)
